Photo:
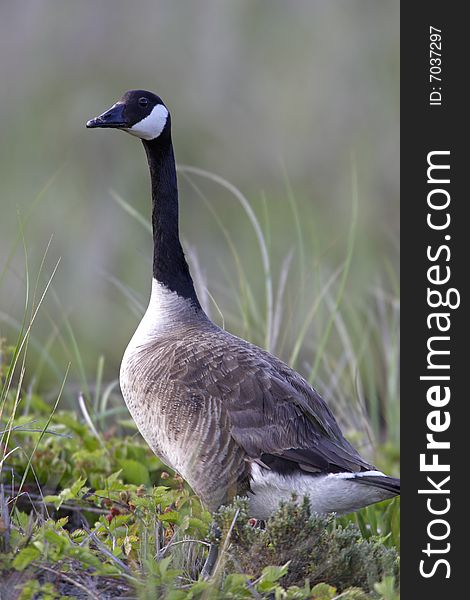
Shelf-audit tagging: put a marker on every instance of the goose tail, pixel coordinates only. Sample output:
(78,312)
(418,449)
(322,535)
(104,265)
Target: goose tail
(383,482)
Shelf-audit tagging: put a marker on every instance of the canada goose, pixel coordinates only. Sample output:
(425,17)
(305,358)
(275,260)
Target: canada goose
(229,417)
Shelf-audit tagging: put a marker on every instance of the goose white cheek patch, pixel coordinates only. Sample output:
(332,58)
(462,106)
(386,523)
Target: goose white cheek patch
(152,126)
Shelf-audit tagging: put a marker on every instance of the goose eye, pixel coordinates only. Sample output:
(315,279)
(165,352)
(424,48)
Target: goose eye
(143,101)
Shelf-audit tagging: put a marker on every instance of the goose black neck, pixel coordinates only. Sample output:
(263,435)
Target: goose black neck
(169,264)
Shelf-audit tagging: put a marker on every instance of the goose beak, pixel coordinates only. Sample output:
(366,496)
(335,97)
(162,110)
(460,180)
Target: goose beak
(113,117)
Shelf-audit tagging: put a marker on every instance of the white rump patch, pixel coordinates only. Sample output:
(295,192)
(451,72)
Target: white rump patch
(358,474)
(152,126)
(332,493)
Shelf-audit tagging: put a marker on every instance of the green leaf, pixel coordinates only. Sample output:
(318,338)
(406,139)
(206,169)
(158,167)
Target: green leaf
(362,524)
(134,472)
(25,557)
(55,500)
(323,591)
(77,486)
(197,524)
(21,518)
(270,576)
(372,516)
(235,585)
(387,589)
(169,517)
(163,565)
(29,589)
(55,539)
(61,522)
(70,493)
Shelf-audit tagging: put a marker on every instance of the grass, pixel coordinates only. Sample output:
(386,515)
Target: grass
(86,510)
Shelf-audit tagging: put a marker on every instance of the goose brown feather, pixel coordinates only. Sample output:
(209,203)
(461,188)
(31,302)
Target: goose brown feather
(228,416)
(210,404)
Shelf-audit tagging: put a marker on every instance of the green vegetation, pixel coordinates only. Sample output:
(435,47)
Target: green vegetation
(86,513)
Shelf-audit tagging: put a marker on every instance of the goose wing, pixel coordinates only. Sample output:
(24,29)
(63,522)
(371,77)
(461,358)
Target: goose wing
(275,415)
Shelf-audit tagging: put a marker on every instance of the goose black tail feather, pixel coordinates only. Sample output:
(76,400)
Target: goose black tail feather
(391,484)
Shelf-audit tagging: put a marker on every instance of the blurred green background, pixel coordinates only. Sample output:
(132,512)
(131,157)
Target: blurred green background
(288,101)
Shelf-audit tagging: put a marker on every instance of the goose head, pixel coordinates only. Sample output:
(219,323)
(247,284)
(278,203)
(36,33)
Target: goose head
(138,112)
